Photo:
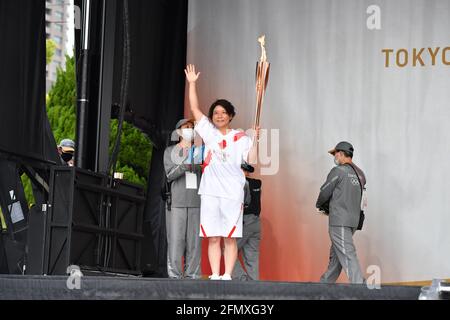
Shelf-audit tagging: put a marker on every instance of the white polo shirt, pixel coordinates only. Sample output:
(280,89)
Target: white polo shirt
(224,154)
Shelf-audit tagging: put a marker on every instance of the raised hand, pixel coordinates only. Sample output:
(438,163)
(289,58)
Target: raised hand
(191,75)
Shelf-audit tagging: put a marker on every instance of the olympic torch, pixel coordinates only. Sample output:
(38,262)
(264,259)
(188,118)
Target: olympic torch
(262,77)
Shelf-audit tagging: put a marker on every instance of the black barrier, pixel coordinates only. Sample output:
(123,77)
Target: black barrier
(89,224)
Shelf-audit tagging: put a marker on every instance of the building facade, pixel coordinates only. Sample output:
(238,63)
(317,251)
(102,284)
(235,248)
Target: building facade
(56,28)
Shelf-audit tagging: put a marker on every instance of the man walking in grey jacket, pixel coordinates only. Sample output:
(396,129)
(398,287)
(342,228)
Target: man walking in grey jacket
(340,197)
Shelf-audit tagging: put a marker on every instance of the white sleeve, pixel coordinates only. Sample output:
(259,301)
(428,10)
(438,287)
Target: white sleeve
(205,129)
(246,146)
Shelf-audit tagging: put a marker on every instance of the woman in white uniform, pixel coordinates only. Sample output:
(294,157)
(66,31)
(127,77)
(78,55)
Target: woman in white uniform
(222,182)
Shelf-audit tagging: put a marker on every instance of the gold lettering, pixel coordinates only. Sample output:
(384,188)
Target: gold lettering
(387,52)
(433,55)
(405,60)
(444,60)
(416,56)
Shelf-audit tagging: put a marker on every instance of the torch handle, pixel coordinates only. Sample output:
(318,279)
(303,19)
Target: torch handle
(262,78)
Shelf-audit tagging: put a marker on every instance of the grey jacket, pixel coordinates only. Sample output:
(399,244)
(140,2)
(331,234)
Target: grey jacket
(343,194)
(176,174)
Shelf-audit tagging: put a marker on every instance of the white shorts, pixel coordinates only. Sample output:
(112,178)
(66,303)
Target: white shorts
(220,217)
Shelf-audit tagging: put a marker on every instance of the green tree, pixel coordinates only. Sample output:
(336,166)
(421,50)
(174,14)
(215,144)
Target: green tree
(61,101)
(50,47)
(135,152)
(135,147)
(27,189)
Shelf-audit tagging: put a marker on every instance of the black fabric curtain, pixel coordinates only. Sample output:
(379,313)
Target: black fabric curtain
(23,129)
(158,32)
(26,138)
(156,90)
(158,55)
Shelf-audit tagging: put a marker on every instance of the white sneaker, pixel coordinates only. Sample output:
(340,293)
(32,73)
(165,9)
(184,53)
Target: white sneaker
(226,277)
(215,277)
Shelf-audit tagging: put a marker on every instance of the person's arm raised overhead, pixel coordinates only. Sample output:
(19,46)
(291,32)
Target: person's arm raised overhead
(192,77)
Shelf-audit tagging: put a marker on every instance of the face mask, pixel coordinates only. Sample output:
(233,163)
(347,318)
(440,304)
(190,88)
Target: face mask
(187,134)
(66,156)
(336,162)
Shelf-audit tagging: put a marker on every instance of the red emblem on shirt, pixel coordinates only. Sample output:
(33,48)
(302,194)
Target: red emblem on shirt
(223,144)
(238,135)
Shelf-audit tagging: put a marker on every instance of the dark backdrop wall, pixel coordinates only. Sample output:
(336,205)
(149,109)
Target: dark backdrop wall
(23,119)
(156,92)
(156,88)
(155,97)
(26,139)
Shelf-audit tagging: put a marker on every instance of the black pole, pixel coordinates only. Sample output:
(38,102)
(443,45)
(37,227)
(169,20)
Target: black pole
(106,71)
(83,101)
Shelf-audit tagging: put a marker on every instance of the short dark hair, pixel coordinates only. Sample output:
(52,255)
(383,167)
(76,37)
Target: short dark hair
(229,108)
(347,153)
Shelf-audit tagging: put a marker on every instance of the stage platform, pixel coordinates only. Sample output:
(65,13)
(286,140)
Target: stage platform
(18,287)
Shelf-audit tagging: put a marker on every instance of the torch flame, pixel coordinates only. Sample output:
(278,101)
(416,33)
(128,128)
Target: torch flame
(262,77)
(262,42)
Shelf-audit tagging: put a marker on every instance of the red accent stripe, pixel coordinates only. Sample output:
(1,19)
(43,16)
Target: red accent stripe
(239,135)
(203,231)
(232,231)
(207,161)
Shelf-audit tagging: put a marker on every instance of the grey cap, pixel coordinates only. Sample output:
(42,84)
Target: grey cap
(67,145)
(342,146)
(181,122)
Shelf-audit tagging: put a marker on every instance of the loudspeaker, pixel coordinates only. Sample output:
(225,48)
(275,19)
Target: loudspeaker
(92,222)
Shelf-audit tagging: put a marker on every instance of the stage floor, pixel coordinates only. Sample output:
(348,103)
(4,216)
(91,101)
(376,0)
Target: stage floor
(18,287)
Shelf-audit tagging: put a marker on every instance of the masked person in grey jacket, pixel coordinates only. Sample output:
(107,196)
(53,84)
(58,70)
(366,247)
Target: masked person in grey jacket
(340,197)
(182,166)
